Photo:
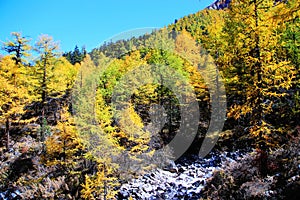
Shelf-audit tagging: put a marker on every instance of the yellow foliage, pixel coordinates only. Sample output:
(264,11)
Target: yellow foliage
(102,185)
(64,143)
(87,188)
(131,124)
(64,74)
(14,93)
(254,34)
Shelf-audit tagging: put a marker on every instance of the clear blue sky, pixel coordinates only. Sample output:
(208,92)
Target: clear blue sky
(89,22)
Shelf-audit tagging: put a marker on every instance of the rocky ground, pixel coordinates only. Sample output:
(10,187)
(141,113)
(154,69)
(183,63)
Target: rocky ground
(223,175)
(183,180)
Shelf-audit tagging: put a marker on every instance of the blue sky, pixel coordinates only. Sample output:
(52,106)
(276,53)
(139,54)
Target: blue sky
(89,22)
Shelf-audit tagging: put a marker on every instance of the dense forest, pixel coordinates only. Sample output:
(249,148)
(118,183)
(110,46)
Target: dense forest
(79,125)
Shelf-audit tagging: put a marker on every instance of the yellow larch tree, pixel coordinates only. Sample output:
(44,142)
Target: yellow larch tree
(263,79)
(13,92)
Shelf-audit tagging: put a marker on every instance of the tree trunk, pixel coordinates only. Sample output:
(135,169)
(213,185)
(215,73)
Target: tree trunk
(42,139)
(44,84)
(7,128)
(104,184)
(263,162)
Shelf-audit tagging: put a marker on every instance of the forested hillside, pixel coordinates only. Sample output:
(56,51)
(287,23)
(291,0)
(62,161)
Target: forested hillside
(85,125)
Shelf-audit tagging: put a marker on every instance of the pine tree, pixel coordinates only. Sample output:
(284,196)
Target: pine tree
(76,55)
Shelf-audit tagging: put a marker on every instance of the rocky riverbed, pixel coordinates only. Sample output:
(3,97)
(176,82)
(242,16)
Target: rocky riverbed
(183,180)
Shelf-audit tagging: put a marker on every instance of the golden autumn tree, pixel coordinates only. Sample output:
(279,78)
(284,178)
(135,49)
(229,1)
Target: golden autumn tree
(64,146)
(261,79)
(13,92)
(63,76)
(288,16)
(18,48)
(101,182)
(122,131)
(14,81)
(47,49)
(64,152)
(187,48)
(207,83)
(52,75)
